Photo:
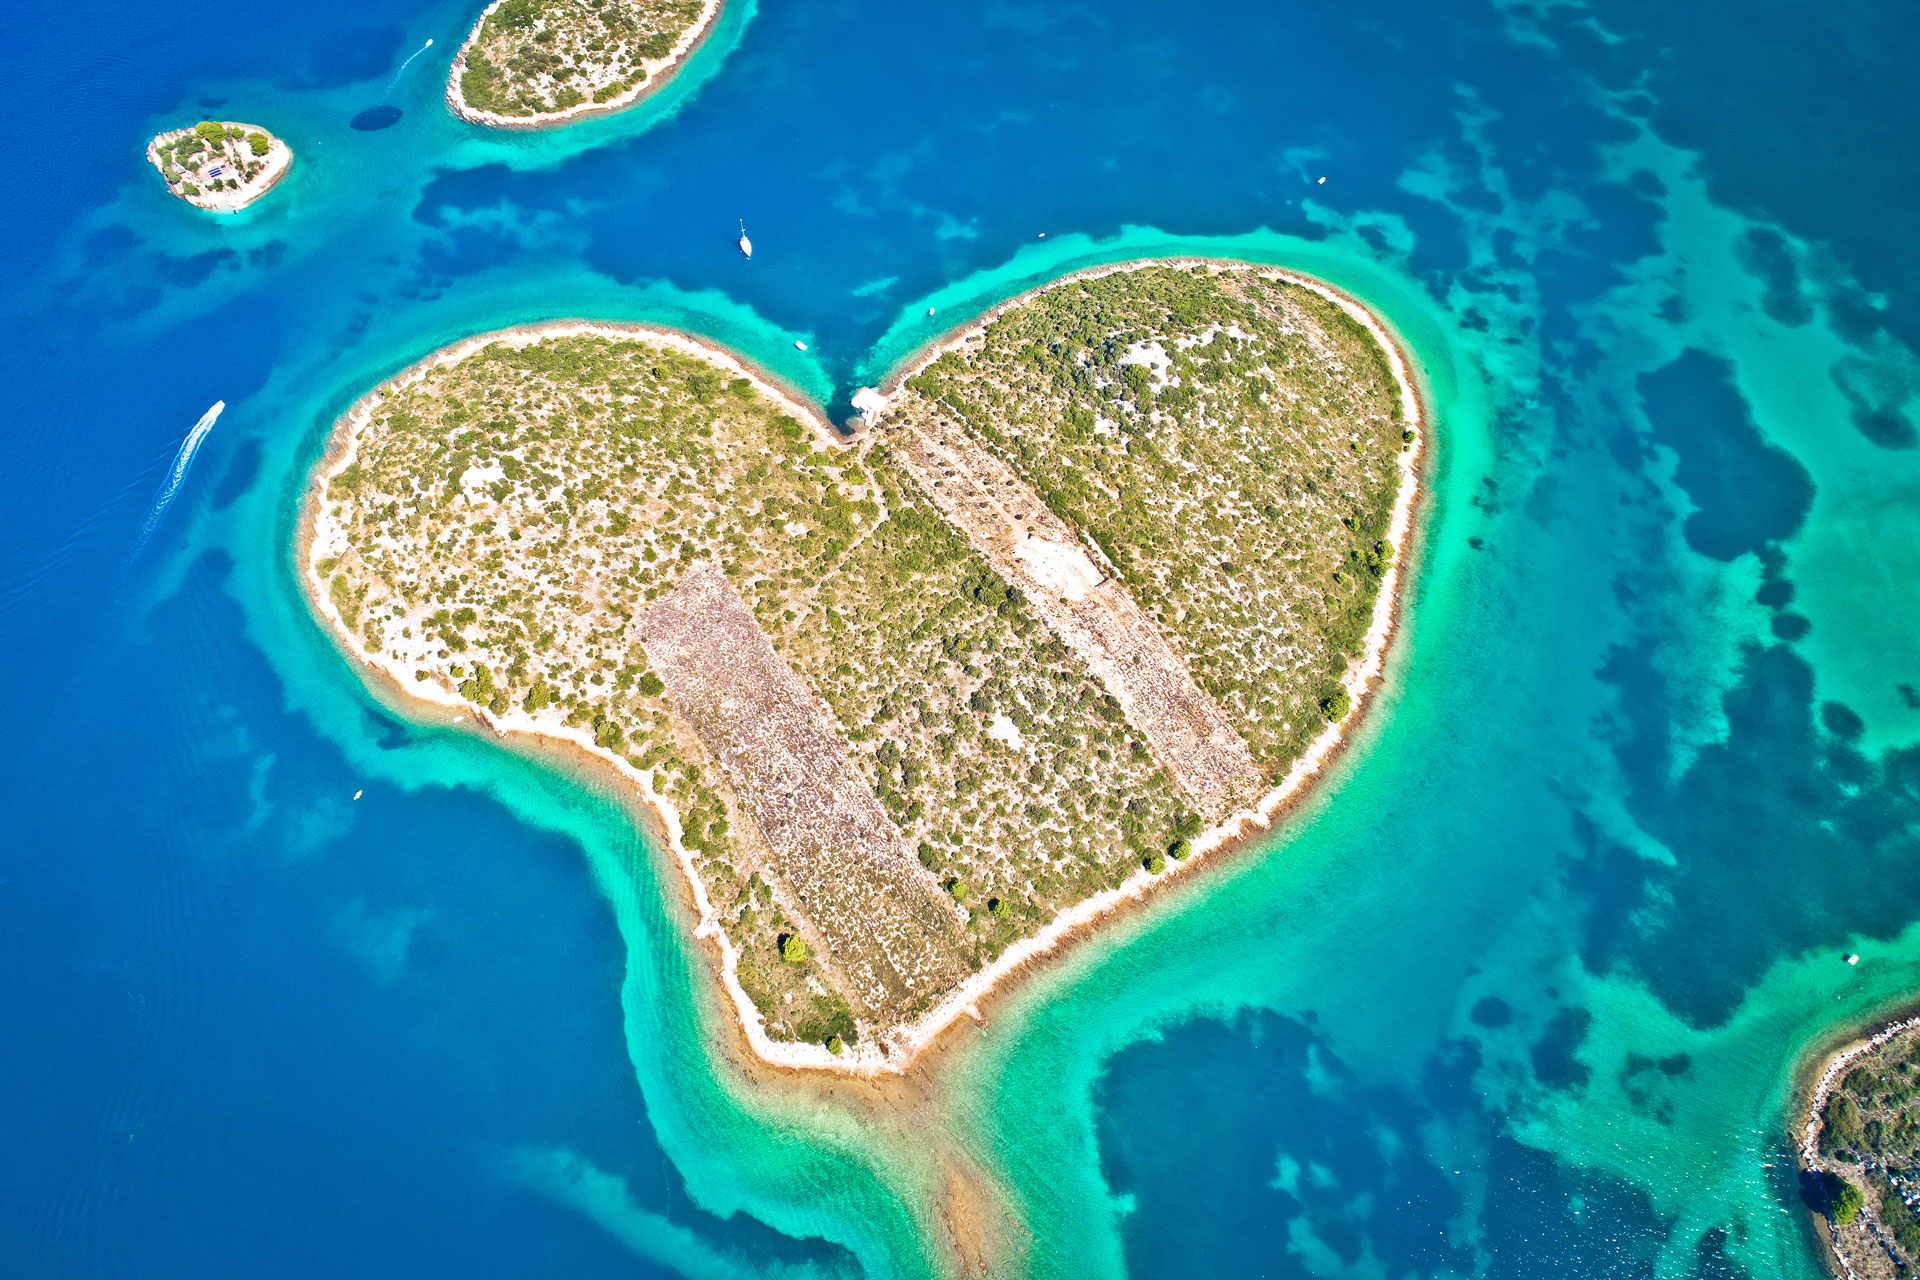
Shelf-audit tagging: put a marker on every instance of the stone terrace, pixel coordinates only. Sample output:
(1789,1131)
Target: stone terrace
(872,909)
(1092,613)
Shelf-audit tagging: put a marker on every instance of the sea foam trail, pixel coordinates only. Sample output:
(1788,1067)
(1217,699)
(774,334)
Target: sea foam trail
(181,461)
(403,69)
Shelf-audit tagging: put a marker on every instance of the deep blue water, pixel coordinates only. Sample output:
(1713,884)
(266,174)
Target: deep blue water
(1519,996)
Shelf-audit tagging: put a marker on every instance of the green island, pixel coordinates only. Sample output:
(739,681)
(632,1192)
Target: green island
(1226,444)
(221,166)
(531,63)
(1097,582)
(1862,1154)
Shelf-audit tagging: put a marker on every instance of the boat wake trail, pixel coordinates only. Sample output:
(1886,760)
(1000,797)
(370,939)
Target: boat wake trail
(181,461)
(403,69)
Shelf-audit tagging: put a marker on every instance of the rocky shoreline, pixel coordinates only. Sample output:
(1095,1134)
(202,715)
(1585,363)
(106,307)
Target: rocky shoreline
(1843,1149)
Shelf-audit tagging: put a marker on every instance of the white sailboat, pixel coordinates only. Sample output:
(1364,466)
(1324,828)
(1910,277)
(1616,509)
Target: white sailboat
(746,245)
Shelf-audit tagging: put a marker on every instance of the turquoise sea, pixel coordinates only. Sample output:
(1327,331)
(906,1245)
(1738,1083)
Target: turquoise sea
(1521,992)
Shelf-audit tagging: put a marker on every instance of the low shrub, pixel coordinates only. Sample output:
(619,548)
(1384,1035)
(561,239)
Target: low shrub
(1844,1201)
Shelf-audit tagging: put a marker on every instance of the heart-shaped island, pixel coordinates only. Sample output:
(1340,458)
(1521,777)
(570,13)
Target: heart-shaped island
(1094,584)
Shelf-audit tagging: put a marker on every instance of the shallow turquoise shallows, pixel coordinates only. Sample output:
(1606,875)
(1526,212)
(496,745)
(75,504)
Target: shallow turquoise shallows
(297,986)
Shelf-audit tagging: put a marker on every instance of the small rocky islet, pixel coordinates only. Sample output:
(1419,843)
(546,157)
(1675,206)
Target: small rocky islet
(532,63)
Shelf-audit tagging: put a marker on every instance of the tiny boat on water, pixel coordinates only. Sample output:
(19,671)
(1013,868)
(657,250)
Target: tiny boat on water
(746,245)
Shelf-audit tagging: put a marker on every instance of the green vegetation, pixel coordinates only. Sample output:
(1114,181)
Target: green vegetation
(1899,1220)
(1841,1132)
(1868,1158)
(531,57)
(1844,1201)
(793,950)
(188,158)
(1872,1117)
(1229,442)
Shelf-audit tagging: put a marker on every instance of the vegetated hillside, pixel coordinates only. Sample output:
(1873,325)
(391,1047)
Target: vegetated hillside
(1869,1159)
(1229,441)
(537,56)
